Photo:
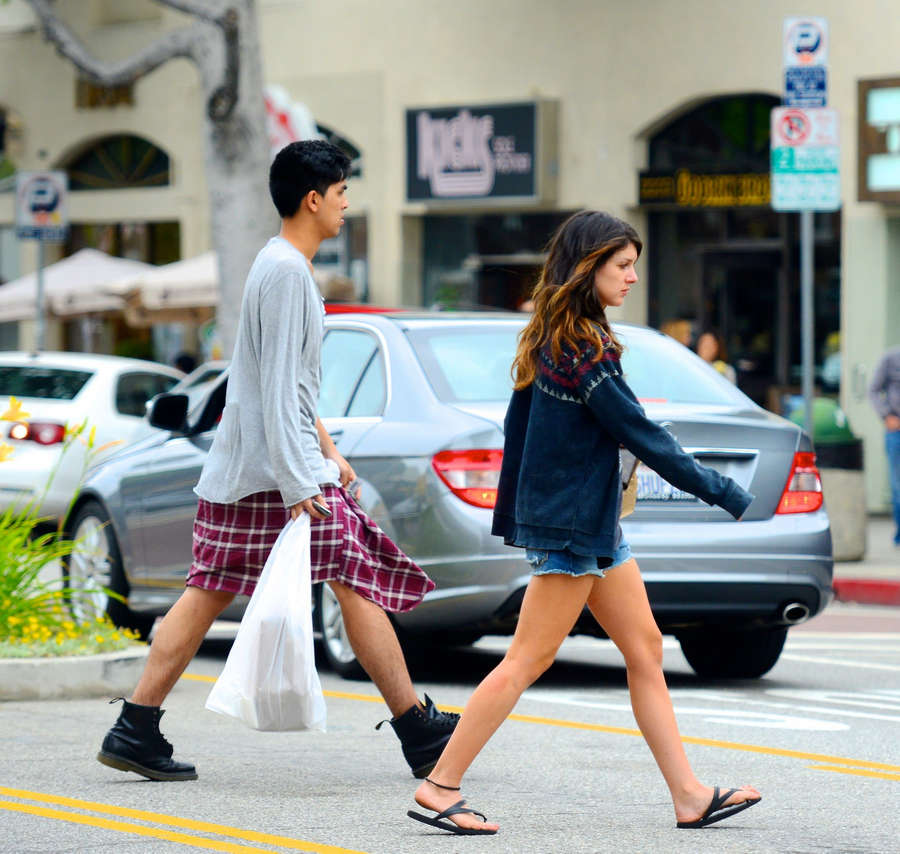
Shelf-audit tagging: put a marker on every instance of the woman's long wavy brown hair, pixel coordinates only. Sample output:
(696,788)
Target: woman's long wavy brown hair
(566,307)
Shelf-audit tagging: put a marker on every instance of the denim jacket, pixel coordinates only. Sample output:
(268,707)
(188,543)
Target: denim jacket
(559,481)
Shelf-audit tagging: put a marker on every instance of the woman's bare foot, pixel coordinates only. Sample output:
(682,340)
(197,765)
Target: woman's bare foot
(692,805)
(437,799)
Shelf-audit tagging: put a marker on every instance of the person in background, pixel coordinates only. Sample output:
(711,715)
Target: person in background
(185,362)
(884,392)
(680,329)
(711,348)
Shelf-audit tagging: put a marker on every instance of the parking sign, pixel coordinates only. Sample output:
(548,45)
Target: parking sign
(41,205)
(805,160)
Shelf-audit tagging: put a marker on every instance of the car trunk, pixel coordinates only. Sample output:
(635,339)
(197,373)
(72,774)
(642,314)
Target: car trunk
(753,447)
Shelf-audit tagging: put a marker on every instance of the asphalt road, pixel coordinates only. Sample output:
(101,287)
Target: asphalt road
(819,736)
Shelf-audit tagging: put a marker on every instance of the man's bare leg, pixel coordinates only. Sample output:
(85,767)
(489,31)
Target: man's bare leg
(176,641)
(375,644)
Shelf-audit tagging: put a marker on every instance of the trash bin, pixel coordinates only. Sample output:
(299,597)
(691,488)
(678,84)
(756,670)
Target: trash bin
(839,457)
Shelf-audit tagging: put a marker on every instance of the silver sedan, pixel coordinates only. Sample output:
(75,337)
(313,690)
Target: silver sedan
(416,403)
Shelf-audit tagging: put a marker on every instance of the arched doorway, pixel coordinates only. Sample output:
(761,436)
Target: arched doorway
(132,164)
(720,258)
(122,162)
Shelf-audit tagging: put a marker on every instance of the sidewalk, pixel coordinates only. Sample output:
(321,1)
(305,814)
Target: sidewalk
(875,580)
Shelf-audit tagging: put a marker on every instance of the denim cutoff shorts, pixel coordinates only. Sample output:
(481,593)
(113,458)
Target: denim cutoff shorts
(564,562)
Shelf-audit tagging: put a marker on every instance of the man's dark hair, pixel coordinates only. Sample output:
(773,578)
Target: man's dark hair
(299,167)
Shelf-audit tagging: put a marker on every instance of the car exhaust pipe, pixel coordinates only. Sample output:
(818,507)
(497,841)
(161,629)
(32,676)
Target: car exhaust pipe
(794,613)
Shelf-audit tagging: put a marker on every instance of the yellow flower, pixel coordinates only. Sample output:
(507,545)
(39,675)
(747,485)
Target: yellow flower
(99,638)
(75,429)
(15,411)
(108,445)
(6,451)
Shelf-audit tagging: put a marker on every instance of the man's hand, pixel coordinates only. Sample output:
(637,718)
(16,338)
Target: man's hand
(892,423)
(346,470)
(306,506)
(330,452)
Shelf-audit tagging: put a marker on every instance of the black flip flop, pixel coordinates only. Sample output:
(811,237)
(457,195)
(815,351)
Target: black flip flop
(716,810)
(450,826)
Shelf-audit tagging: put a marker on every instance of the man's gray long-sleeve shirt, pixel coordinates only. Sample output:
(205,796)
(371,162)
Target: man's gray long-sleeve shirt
(267,436)
(884,390)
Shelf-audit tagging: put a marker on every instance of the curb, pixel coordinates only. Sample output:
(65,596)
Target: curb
(65,678)
(867,591)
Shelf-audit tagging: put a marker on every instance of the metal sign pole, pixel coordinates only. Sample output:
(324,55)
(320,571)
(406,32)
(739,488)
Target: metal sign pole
(807,316)
(39,307)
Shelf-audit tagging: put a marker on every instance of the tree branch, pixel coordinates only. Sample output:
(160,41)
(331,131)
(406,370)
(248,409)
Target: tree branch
(178,43)
(196,10)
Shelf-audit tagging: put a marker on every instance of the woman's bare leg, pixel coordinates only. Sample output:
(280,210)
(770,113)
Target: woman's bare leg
(551,605)
(619,604)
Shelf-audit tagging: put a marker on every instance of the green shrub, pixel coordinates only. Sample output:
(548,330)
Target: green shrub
(37,615)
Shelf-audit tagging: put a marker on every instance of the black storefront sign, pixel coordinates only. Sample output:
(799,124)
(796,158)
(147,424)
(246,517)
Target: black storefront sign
(687,189)
(486,152)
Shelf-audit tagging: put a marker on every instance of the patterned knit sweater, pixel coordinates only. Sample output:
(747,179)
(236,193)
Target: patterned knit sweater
(559,482)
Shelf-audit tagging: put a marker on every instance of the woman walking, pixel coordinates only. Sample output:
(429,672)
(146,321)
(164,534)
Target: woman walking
(559,498)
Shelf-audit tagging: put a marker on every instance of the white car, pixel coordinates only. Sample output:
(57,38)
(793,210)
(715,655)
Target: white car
(60,389)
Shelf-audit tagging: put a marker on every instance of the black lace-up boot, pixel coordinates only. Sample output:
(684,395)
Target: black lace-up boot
(136,744)
(423,732)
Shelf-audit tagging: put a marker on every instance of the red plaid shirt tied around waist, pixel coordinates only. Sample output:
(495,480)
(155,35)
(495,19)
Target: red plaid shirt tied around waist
(232,542)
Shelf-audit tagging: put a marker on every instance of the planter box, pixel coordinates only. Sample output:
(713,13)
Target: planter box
(104,674)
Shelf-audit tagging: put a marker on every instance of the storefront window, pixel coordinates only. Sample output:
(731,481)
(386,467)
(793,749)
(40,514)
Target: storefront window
(151,242)
(488,260)
(119,162)
(720,259)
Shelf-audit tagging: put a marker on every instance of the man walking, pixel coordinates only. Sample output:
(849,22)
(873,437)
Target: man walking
(272,460)
(884,392)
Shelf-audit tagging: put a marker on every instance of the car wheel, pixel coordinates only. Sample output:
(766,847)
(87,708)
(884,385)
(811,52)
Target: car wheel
(94,567)
(724,654)
(329,622)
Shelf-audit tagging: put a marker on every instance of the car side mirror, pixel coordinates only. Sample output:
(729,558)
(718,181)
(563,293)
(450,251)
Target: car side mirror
(168,411)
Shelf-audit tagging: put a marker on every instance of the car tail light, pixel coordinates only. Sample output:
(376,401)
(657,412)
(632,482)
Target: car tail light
(472,475)
(803,492)
(42,432)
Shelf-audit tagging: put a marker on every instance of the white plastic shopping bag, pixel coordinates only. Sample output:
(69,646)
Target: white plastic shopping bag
(269,681)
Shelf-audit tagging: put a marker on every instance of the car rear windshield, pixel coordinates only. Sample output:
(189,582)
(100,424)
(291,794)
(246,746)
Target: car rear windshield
(32,381)
(467,363)
(471,364)
(661,370)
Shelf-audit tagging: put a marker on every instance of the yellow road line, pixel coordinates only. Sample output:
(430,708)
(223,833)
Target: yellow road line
(125,827)
(172,821)
(615,730)
(858,771)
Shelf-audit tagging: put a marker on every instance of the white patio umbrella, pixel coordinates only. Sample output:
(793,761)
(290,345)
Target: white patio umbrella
(192,283)
(75,285)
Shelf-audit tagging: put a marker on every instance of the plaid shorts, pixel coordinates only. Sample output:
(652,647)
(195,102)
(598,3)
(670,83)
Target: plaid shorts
(232,542)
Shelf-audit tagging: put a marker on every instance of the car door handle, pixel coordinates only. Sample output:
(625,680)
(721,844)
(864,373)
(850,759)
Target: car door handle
(335,434)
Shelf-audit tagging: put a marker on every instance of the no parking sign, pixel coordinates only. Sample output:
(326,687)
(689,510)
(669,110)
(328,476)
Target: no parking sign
(41,205)
(805,159)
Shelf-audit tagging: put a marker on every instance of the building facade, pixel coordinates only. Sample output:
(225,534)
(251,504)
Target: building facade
(478,127)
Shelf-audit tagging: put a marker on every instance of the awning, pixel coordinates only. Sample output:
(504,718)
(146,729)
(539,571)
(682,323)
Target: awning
(75,285)
(192,283)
